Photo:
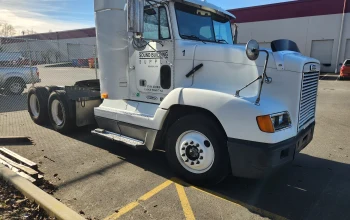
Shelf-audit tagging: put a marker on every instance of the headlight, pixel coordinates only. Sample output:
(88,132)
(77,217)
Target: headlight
(274,122)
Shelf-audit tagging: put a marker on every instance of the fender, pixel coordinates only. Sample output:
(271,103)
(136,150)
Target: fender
(236,115)
(11,74)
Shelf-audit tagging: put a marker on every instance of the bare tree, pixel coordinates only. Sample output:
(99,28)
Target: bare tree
(7,30)
(28,32)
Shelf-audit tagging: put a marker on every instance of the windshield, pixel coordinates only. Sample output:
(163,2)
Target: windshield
(198,24)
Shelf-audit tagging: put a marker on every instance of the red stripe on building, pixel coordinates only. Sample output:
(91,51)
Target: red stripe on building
(294,9)
(80,33)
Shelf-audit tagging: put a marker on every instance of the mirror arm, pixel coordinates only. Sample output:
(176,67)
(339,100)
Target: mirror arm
(264,76)
(238,91)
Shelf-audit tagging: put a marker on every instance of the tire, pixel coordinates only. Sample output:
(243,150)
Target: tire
(37,105)
(14,86)
(60,113)
(203,134)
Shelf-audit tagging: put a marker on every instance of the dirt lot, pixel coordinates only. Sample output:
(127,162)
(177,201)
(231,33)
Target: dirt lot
(102,178)
(13,205)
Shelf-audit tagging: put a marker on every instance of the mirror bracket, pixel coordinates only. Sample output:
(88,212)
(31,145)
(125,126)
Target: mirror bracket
(252,52)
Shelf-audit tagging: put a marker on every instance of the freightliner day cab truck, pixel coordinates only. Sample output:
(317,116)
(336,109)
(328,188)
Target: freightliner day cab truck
(171,78)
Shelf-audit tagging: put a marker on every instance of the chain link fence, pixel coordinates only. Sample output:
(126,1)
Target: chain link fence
(28,62)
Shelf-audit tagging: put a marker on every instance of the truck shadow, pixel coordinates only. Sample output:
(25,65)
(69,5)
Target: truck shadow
(309,188)
(12,103)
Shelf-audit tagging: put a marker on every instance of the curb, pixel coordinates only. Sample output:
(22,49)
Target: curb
(47,202)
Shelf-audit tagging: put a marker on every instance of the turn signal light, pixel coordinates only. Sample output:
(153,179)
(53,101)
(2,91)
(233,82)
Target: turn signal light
(104,96)
(265,123)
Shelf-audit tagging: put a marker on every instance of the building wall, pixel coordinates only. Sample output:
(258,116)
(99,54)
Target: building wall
(58,50)
(312,24)
(303,31)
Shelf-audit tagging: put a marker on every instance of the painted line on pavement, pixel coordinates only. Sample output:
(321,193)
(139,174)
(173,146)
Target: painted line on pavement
(188,212)
(145,197)
(186,207)
(251,208)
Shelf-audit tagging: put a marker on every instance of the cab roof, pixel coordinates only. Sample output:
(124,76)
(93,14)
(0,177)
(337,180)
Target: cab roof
(204,4)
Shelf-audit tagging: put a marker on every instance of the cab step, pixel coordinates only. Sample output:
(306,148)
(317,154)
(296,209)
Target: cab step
(137,144)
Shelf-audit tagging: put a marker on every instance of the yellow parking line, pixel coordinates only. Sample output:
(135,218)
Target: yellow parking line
(123,211)
(251,208)
(184,202)
(155,190)
(132,205)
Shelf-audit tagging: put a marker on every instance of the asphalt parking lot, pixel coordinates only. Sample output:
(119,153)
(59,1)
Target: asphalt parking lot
(106,180)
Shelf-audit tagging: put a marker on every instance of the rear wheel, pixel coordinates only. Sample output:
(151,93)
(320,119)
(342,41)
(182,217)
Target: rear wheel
(59,112)
(37,105)
(14,86)
(197,150)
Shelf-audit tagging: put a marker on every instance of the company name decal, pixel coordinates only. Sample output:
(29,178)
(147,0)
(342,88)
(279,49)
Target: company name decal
(153,54)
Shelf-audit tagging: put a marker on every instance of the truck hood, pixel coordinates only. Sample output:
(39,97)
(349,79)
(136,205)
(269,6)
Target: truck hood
(282,60)
(227,69)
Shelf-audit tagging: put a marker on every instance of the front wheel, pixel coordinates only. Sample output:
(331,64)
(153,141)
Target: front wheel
(197,150)
(14,86)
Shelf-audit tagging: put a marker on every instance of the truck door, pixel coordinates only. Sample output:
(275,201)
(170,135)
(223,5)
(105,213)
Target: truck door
(153,67)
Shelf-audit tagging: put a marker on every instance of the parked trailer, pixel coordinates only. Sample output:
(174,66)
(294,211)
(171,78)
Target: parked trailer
(172,78)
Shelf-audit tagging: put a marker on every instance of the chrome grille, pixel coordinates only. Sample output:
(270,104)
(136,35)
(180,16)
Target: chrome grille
(308,98)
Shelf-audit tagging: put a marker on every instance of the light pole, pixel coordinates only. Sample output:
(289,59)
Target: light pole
(340,38)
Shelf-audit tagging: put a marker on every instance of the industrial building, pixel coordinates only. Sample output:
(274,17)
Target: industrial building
(317,26)
(53,47)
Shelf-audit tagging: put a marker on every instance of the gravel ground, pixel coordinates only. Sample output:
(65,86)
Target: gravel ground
(13,205)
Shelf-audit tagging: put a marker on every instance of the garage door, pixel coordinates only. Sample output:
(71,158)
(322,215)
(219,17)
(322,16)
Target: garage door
(322,50)
(74,51)
(347,49)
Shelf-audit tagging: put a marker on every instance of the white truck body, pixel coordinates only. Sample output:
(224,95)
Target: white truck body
(139,110)
(179,88)
(226,69)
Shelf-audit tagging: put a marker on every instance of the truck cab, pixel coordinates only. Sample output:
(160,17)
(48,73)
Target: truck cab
(172,79)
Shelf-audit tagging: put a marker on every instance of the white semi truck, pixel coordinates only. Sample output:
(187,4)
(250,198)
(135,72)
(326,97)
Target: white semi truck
(171,78)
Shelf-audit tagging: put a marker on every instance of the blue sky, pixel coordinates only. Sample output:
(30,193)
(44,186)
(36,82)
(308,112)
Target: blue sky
(58,15)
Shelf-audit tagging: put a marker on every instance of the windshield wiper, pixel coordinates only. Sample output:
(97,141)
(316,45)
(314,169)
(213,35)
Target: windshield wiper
(192,37)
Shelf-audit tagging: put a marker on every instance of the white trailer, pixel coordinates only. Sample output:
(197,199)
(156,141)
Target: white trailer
(172,78)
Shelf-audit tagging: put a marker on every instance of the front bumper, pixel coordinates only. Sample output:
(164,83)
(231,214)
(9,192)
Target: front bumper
(256,160)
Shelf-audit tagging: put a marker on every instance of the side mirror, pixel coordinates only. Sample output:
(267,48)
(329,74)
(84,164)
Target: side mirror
(252,50)
(135,16)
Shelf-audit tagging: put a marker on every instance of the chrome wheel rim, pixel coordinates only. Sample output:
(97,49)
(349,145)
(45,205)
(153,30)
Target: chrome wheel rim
(57,112)
(34,105)
(195,152)
(15,87)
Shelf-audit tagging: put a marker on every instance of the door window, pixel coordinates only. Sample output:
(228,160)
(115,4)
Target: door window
(156,24)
